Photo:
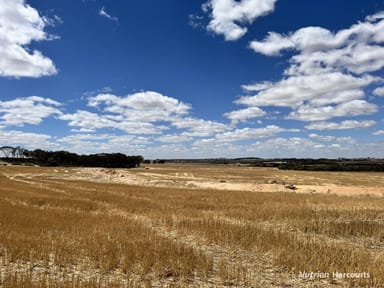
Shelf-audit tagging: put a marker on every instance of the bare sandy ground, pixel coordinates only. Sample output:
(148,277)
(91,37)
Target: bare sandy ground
(235,178)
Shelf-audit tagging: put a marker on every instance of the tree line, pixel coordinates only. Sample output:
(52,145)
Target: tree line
(341,164)
(65,158)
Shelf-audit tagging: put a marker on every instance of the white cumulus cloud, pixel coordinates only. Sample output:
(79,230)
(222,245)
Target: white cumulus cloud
(347,124)
(198,127)
(145,112)
(27,140)
(249,133)
(328,74)
(29,110)
(145,106)
(20,24)
(379,91)
(378,132)
(228,17)
(242,115)
(313,89)
(351,108)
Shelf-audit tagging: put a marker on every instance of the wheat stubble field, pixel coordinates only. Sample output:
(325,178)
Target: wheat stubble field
(190,226)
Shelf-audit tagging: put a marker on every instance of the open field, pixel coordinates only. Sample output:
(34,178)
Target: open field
(190,226)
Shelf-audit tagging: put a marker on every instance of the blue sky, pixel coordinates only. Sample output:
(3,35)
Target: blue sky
(194,79)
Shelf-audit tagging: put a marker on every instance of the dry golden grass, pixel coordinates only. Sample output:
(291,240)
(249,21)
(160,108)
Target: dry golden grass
(56,232)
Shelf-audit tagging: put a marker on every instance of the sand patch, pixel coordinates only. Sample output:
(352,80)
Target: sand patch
(223,181)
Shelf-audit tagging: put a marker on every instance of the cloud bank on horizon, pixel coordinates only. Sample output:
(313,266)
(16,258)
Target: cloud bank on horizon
(326,102)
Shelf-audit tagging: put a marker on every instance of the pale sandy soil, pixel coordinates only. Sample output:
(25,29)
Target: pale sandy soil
(234,178)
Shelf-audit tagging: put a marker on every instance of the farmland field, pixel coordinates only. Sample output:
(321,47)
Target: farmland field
(190,226)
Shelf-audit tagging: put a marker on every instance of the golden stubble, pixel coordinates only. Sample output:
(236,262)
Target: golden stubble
(57,232)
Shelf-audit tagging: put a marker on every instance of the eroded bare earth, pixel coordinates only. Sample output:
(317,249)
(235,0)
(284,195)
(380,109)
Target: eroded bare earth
(237,178)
